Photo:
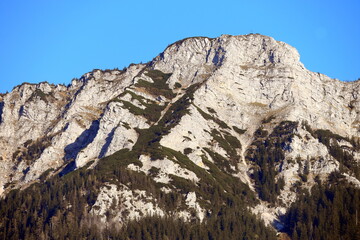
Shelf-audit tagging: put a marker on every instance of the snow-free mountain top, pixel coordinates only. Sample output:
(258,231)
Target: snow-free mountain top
(252,49)
(219,103)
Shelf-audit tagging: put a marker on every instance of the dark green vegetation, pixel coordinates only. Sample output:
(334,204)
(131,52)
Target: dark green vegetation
(329,212)
(228,224)
(40,94)
(151,109)
(58,207)
(149,139)
(207,116)
(177,85)
(33,149)
(231,145)
(238,130)
(341,153)
(266,153)
(331,209)
(159,85)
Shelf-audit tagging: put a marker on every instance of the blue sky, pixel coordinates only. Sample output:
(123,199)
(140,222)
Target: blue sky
(55,41)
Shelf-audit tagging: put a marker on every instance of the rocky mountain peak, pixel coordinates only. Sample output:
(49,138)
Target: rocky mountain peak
(231,118)
(192,60)
(252,49)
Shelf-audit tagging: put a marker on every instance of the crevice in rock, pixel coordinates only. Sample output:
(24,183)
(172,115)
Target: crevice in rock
(1,110)
(219,57)
(21,111)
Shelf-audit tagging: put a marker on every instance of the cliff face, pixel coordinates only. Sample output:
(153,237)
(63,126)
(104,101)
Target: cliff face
(221,102)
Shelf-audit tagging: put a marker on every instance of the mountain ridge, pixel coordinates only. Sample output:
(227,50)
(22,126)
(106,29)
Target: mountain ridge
(240,113)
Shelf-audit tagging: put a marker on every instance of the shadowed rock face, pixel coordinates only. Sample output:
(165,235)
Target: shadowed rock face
(85,138)
(1,110)
(216,100)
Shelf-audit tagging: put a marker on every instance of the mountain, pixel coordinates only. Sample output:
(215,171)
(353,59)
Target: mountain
(216,138)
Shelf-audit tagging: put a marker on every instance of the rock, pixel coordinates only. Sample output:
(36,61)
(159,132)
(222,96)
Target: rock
(234,85)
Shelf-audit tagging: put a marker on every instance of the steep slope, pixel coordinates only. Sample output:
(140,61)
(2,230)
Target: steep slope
(234,122)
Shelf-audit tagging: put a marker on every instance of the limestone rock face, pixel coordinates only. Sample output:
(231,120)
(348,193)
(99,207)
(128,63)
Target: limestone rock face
(214,98)
(57,122)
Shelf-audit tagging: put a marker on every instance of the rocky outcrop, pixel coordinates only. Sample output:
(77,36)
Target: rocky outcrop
(216,100)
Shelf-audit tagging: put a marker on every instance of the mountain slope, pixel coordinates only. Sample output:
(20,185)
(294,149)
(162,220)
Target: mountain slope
(209,126)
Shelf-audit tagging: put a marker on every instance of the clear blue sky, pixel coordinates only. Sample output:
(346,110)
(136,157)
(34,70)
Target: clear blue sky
(55,41)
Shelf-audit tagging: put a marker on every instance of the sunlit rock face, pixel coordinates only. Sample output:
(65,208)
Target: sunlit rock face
(230,87)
